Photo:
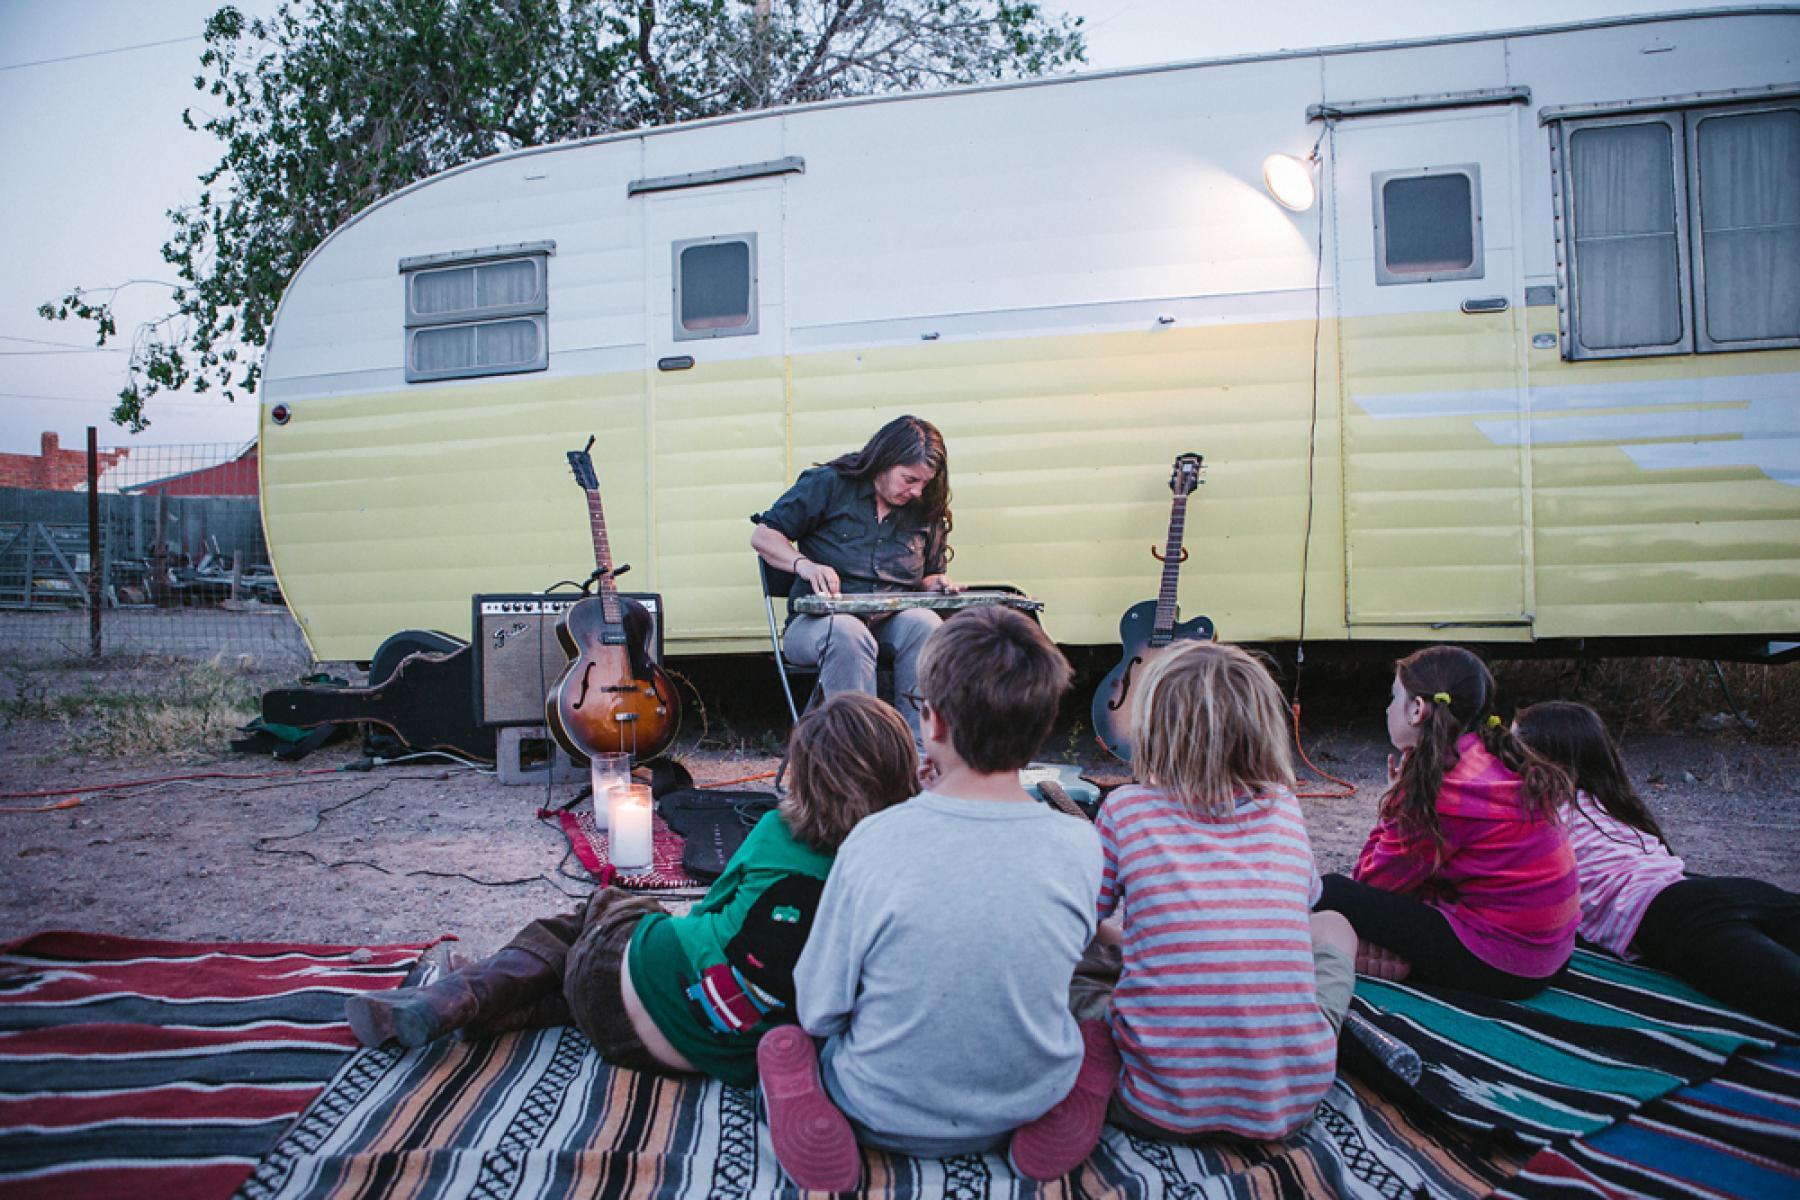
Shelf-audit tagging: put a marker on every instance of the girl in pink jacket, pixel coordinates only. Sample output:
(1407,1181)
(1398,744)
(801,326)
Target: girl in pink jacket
(1467,878)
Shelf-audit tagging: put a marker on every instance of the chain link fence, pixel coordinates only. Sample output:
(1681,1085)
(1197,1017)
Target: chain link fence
(164,555)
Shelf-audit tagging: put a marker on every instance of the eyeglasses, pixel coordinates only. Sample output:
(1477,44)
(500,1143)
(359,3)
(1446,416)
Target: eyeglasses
(913,698)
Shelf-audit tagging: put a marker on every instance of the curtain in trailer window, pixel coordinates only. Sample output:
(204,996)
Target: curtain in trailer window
(444,291)
(492,346)
(467,289)
(1749,168)
(1625,236)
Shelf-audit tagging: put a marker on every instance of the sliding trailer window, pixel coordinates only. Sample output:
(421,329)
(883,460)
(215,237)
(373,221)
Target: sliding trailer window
(1681,230)
(479,312)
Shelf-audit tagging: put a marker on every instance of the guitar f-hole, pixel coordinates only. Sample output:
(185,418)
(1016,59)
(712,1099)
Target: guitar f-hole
(1124,684)
(581,696)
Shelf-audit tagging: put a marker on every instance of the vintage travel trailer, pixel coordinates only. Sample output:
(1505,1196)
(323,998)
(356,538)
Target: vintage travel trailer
(1491,338)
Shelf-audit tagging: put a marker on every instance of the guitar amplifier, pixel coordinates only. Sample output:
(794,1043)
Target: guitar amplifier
(518,658)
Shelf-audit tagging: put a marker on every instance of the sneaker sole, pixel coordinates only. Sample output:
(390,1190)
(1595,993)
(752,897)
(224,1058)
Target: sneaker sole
(813,1141)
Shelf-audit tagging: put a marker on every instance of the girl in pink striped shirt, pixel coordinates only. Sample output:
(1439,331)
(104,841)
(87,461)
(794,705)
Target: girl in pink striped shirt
(1735,939)
(1227,992)
(1467,878)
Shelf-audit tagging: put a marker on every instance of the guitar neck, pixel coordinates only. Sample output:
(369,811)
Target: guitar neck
(1165,596)
(609,590)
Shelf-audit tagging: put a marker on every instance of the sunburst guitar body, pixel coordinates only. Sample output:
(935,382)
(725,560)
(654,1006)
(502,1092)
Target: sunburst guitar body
(613,697)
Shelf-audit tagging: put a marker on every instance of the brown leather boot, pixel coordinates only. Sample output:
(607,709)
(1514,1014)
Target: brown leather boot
(481,991)
(546,1012)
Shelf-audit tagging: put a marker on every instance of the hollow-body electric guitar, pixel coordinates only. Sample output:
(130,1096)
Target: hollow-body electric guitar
(613,697)
(1149,625)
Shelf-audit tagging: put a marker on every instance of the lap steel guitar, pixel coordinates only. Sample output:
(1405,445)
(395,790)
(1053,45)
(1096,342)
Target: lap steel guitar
(876,603)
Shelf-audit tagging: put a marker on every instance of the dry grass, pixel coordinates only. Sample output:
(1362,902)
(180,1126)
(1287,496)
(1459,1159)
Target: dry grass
(150,706)
(1643,694)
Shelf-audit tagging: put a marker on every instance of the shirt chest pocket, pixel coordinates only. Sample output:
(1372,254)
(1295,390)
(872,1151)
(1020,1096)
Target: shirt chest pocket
(901,555)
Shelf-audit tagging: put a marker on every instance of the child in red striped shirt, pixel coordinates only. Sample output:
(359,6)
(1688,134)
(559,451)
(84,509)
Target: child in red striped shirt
(1230,990)
(1467,878)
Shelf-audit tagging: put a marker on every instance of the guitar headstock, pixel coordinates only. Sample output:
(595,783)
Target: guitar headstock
(582,464)
(1186,475)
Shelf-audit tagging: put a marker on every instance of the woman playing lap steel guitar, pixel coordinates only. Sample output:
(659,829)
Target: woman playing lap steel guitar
(875,520)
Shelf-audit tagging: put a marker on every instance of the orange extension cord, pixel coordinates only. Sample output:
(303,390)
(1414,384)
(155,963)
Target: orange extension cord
(136,783)
(1345,790)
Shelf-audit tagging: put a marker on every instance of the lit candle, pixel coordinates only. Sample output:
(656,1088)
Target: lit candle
(629,835)
(606,772)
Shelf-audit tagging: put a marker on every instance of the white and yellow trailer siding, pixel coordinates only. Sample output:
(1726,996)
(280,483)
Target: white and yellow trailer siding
(1075,280)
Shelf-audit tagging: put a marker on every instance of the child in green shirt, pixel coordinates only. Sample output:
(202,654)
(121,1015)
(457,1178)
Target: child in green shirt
(690,993)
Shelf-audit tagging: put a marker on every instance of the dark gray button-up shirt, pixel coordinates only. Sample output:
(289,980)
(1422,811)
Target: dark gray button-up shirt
(832,520)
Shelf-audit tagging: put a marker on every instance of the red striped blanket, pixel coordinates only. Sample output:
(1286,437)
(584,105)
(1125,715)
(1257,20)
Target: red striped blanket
(132,1068)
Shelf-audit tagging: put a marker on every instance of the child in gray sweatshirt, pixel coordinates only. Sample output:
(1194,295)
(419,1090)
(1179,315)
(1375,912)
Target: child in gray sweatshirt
(937,970)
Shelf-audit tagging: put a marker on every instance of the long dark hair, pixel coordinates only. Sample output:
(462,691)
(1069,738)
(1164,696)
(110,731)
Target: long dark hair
(1451,671)
(1573,736)
(905,442)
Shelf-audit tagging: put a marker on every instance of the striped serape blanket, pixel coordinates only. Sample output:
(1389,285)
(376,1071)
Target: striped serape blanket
(538,1115)
(133,1068)
(1737,1135)
(1606,1039)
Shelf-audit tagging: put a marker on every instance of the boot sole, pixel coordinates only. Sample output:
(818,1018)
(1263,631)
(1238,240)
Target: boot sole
(376,1021)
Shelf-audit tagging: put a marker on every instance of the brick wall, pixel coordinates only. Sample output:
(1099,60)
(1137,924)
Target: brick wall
(53,468)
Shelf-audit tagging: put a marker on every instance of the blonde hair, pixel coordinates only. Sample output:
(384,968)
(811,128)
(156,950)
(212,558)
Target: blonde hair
(1208,725)
(851,756)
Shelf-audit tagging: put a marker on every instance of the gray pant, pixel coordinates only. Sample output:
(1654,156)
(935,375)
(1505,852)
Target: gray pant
(844,649)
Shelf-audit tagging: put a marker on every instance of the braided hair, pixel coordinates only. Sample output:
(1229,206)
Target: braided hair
(1458,690)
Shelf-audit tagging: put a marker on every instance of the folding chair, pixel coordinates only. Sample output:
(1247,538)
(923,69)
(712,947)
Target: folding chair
(776,584)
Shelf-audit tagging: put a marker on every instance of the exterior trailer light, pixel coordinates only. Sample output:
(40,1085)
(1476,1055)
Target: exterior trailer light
(1290,181)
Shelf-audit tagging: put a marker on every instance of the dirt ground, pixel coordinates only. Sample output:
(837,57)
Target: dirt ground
(320,852)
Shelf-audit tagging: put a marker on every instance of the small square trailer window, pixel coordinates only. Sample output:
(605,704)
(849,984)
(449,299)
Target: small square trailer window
(715,287)
(1428,224)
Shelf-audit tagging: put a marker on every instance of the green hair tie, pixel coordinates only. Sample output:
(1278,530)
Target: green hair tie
(1493,721)
(1442,698)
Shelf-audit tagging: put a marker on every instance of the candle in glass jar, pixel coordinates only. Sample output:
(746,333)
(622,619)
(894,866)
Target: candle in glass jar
(629,835)
(606,772)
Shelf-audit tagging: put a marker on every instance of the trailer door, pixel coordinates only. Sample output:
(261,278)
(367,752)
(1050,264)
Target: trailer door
(717,391)
(1436,503)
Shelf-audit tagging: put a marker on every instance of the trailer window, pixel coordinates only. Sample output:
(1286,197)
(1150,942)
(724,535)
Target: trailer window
(715,287)
(483,312)
(1749,236)
(1681,231)
(1428,224)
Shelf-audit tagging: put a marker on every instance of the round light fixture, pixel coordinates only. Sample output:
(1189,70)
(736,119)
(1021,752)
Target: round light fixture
(1290,181)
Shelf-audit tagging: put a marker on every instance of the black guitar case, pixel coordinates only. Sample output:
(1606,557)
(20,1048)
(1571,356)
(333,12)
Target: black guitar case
(426,697)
